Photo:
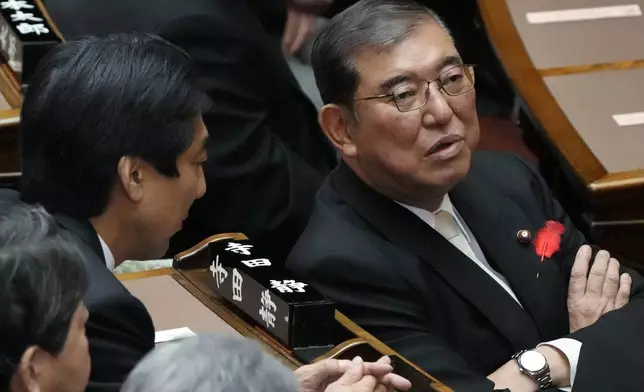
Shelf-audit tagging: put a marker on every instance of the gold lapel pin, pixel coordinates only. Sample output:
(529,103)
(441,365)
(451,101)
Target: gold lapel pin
(524,236)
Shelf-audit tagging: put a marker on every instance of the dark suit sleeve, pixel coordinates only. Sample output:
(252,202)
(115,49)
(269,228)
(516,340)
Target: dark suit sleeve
(377,299)
(120,334)
(612,354)
(249,157)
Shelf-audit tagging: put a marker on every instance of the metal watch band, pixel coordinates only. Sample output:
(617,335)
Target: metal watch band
(542,377)
(545,381)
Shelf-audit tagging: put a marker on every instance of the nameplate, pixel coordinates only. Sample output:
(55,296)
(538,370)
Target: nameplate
(629,119)
(25,35)
(289,309)
(584,14)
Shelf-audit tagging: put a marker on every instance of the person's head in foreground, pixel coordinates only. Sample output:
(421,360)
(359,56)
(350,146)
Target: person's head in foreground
(400,103)
(43,347)
(217,363)
(111,131)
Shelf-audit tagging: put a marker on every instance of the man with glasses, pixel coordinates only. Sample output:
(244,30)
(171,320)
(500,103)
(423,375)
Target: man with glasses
(432,247)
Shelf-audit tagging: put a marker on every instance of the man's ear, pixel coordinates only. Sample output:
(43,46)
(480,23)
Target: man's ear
(131,176)
(30,370)
(337,123)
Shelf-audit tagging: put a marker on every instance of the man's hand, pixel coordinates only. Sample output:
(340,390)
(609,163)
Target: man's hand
(335,374)
(592,295)
(299,27)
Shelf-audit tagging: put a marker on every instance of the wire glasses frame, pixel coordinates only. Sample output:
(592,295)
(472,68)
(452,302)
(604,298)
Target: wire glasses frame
(410,96)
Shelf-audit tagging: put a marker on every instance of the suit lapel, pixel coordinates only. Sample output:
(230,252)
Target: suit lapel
(83,230)
(495,220)
(406,230)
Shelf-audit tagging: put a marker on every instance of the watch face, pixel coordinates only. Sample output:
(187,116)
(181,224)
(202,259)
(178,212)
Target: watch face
(532,361)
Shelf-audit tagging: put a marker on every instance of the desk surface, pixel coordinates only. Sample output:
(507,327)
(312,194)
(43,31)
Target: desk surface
(161,293)
(183,298)
(574,43)
(194,309)
(574,77)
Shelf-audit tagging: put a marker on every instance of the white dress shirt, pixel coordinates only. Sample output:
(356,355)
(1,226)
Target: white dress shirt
(109,257)
(466,243)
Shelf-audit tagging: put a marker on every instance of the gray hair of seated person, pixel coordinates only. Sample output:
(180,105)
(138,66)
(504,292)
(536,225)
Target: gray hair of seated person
(377,24)
(210,363)
(42,282)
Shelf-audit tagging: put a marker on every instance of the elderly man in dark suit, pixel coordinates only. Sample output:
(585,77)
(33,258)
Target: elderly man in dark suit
(268,155)
(461,261)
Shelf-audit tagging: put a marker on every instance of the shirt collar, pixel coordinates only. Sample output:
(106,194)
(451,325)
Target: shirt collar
(109,257)
(429,217)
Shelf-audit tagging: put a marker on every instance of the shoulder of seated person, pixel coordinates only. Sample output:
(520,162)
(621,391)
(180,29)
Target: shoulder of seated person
(503,170)
(333,238)
(104,287)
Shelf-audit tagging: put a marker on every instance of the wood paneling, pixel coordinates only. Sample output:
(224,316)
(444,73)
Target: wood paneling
(613,201)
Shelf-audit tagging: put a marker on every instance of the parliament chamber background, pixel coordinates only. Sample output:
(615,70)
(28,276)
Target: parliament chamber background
(574,73)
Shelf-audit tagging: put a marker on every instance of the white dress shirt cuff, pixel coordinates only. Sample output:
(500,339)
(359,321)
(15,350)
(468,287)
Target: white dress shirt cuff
(571,349)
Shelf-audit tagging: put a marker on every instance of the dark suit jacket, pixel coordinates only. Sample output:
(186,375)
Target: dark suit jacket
(394,275)
(119,329)
(268,156)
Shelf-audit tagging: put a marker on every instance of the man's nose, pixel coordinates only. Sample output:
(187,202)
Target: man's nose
(201,187)
(437,111)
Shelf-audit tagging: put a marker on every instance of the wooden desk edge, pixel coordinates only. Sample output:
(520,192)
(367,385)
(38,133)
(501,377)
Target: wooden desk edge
(226,315)
(377,344)
(9,118)
(257,333)
(531,87)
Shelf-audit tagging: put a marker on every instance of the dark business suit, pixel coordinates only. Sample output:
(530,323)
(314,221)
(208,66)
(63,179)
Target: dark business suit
(119,329)
(268,156)
(394,275)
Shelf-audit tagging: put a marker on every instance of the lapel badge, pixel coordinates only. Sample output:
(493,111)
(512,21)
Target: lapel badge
(524,236)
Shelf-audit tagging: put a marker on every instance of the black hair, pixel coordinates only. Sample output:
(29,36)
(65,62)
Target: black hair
(93,101)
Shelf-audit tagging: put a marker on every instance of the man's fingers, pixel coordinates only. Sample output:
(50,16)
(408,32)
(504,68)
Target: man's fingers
(384,359)
(290,29)
(624,292)
(368,383)
(382,369)
(353,374)
(597,274)
(394,381)
(379,368)
(306,25)
(611,282)
(332,368)
(577,286)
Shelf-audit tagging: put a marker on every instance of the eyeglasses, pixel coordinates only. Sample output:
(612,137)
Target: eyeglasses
(414,95)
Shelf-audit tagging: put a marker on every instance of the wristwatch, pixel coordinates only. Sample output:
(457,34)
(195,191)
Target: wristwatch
(532,363)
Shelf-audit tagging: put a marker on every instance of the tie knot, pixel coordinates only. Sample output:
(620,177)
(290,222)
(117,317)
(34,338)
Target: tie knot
(446,224)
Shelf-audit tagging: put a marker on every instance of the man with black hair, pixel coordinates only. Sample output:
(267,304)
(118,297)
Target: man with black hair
(112,144)
(269,156)
(42,316)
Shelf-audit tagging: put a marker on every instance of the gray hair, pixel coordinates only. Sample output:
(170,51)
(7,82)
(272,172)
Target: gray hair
(42,282)
(376,24)
(210,363)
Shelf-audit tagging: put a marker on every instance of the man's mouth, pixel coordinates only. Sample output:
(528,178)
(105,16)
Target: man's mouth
(446,143)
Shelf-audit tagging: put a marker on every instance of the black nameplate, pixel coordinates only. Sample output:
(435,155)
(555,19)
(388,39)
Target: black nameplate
(25,35)
(290,310)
